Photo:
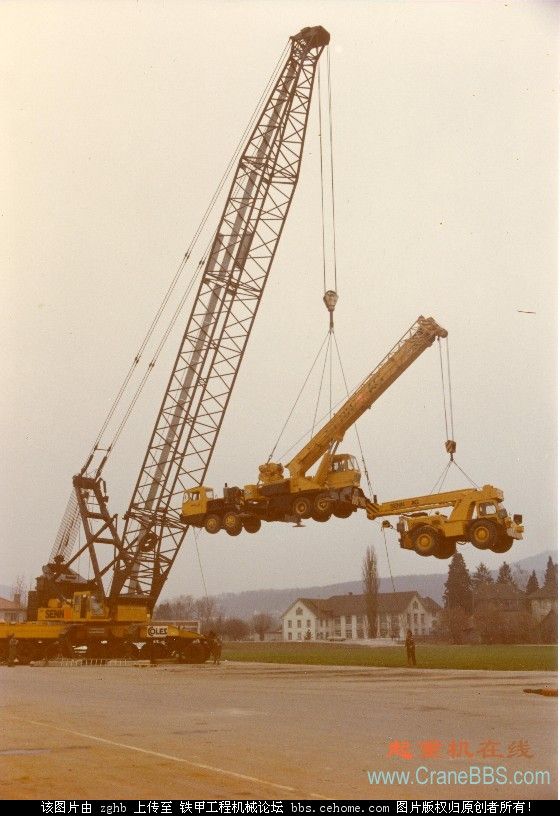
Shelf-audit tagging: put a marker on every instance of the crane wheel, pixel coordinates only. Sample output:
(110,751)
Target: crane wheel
(343,510)
(320,516)
(232,524)
(322,505)
(426,540)
(446,549)
(252,525)
(502,546)
(212,524)
(483,534)
(301,506)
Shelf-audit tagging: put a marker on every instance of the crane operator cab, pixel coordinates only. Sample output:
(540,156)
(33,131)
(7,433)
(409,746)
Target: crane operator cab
(344,471)
(195,502)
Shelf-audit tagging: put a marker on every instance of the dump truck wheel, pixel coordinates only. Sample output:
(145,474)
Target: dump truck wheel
(483,534)
(342,510)
(502,546)
(213,524)
(426,540)
(232,524)
(252,525)
(301,506)
(446,549)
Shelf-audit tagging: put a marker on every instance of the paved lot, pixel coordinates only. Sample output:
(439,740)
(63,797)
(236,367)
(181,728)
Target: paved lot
(244,731)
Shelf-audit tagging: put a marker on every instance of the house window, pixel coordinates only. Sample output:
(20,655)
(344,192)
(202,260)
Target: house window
(299,623)
(289,635)
(349,632)
(416,617)
(408,620)
(422,619)
(337,621)
(299,611)
(415,605)
(299,635)
(308,622)
(289,624)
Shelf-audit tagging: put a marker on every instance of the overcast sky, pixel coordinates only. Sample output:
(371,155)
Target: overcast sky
(121,117)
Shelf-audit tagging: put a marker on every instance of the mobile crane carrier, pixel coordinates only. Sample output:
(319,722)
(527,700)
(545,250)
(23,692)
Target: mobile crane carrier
(109,613)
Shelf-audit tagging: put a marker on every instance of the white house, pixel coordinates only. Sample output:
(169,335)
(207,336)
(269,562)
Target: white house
(343,617)
(12,611)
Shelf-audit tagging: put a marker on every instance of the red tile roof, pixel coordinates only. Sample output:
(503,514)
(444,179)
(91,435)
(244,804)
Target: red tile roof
(5,603)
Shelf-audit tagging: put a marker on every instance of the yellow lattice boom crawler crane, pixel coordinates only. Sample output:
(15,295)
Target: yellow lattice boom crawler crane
(109,612)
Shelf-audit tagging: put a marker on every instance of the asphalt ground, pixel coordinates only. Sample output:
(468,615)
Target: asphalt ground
(266,731)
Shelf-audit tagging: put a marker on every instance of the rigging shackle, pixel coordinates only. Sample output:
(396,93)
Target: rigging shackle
(330,299)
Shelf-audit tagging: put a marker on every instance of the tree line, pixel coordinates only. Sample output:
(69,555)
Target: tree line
(477,607)
(211,617)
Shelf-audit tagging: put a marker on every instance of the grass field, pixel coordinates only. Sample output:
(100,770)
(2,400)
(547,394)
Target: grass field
(495,658)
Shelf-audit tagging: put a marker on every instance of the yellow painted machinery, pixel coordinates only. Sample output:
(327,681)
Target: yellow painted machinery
(335,484)
(477,515)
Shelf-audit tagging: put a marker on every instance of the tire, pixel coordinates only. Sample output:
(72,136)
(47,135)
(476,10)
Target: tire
(232,524)
(426,540)
(483,534)
(322,505)
(212,524)
(503,545)
(446,549)
(252,525)
(343,510)
(320,516)
(301,506)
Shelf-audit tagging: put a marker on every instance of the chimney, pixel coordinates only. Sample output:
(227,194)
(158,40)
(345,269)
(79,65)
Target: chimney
(17,598)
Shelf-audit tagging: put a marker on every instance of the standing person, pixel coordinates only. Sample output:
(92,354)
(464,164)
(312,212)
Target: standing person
(410,645)
(215,642)
(13,644)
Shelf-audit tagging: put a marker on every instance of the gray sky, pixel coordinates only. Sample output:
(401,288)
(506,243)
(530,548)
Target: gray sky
(120,120)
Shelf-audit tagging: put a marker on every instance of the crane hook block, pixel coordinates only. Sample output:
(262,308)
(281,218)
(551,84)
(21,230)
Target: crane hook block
(451,447)
(330,299)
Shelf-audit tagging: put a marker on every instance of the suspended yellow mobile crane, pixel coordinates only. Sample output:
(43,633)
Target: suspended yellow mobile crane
(335,485)
(477,516)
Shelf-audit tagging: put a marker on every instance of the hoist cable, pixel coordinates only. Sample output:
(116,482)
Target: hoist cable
(466,475)
(297,399)
(388,560)
(449,387)
(233,159)
(200,562)
(441,478)
(364,465)
(320,385)
(443,390)
(330,374)
(332,164)
(152,363)
(322,178)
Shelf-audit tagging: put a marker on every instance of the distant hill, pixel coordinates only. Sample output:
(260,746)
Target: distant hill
(276,601)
